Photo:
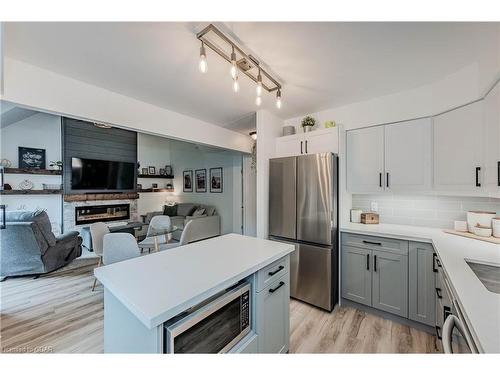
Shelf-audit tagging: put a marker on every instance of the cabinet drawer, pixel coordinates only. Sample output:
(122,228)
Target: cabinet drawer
(272,272)
(375,243)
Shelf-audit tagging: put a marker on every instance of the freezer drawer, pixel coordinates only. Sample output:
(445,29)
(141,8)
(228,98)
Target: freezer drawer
(311,275)
(282,197)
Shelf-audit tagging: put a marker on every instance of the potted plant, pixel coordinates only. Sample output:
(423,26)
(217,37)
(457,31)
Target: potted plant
(307,123)
(57,165)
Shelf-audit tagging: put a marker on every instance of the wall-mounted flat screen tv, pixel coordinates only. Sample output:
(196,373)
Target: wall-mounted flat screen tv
(102,175)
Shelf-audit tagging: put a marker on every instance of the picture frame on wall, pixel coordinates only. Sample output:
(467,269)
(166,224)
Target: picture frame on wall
(187,178)
(162,172)
(168,170)
(216,180)
(151,170)
(31,158)
(145,171)
(200,177)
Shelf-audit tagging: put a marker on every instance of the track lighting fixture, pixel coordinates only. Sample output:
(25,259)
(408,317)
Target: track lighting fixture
(203,59)
(218,42)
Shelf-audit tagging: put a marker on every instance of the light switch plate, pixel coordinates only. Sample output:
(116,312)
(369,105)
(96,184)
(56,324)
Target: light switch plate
(374,206)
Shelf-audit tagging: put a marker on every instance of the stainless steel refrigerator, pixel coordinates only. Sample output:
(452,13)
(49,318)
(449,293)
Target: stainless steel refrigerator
(303,210)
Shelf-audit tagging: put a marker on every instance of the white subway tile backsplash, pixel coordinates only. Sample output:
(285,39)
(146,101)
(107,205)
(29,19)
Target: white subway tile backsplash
(424,210)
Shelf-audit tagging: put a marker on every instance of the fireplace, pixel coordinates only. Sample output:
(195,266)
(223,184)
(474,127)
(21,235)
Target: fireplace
(107,212)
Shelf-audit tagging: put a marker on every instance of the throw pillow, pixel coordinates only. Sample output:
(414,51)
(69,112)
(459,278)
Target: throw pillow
(170,210)
(199,212)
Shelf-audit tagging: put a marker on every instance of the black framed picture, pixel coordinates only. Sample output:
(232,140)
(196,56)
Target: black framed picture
(162,172)
(31,158)
(168,170)
(216,180)
(144,171)
(188,181)
(200,178)
(151,170)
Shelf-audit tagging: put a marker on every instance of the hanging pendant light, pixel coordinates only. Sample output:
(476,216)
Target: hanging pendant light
(259,84)
(203,66)
(278,99)
(234,67)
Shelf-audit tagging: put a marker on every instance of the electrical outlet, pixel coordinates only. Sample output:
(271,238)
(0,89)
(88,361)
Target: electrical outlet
(374,207)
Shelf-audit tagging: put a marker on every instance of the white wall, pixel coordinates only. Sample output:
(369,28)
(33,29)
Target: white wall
(158,152)
(39,131)
(268,128)
(31,86)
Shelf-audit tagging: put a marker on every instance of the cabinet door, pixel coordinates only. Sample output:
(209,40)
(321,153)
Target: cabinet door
(324,141)
(408,150)
(390,282)
(356,274)
(273,313)
(458,138)
(289,147)
(492,140)
(365,160)
(421,283)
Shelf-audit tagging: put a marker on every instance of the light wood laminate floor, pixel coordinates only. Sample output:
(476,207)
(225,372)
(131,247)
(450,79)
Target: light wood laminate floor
(59,313)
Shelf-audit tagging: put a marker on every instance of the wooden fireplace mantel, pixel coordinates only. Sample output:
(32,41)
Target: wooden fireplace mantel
(99,197)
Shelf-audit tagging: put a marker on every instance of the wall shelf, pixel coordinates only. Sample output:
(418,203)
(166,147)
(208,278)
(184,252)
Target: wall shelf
(156,190)
(31,192)
(169,177)
(49,172)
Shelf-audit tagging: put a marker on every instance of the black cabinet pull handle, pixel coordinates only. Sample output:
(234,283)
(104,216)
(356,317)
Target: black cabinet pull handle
(446,312)
(272,273)
(438,332)
(438,293)
(306,147)
(373,243)
(380,179)
(279,286)
(434,261)
(498,173)
(478,169)
(375,263)
(301,147)
(387,179)
(367,262)
(438,262)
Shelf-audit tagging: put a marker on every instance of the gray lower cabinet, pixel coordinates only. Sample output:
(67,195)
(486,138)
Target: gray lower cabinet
(422,286)
(390,282)
(356,274)
(273,316)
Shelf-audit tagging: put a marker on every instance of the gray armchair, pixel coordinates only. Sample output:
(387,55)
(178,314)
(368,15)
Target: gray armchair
(28,246)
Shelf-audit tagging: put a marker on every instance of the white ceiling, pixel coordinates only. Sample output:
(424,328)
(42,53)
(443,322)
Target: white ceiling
(321,65)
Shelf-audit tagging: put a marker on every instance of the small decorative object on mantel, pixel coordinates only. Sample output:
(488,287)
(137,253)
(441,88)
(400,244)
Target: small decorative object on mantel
(52,186)
(330,124)
(188,181)
(307,123)
(151,170)
(6,163)
(162,172)
(169,186)
(370,218)
(26,185)
(144,171)
(216,178)
(154,186)
(7,187)
(57,165)
(33,158)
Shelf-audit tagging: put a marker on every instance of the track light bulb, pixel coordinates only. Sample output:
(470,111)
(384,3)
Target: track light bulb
(258,101)
(236,85)
(203,66)
(234,67)
(259,84)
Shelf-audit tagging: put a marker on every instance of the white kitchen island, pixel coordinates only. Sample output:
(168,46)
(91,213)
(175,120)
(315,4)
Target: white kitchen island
(141,294)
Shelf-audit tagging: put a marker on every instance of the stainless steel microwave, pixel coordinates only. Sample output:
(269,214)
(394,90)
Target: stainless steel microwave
(214,326)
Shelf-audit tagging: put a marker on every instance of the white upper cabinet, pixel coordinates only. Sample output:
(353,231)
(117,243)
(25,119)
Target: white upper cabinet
(491,149)
(314,142)
(458,155)
(408,156)
(365,160)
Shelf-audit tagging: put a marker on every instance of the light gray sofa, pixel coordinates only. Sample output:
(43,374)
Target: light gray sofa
(204,226)
(28,246)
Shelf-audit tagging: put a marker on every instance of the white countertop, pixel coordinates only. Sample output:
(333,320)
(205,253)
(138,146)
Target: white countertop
(481,307)
(158,286)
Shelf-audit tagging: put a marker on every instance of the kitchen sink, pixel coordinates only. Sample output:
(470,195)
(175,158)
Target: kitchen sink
(488,274)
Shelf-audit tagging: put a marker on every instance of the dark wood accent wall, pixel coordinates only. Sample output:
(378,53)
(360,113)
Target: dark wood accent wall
(82,139)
